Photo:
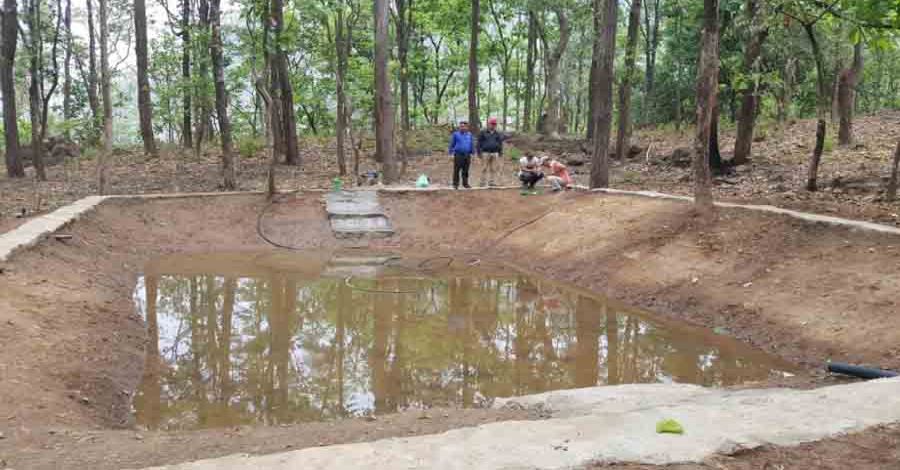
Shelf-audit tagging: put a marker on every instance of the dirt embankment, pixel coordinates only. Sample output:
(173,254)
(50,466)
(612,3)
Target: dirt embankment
(805,292)
(72,345)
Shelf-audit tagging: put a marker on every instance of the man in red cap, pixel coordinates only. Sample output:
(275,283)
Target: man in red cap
(490,148)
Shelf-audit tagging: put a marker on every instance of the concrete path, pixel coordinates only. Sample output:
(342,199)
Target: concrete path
(806,216)
(357,214)
(33,231)
(611,424)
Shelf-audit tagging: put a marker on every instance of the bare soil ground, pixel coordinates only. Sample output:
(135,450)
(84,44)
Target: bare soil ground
(851,179)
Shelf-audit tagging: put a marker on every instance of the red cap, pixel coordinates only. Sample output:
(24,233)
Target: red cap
(492,120)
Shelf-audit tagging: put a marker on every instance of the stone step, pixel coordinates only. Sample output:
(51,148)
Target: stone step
(360,226)
(357,214)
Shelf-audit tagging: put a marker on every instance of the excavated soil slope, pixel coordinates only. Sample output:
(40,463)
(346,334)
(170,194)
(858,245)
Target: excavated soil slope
(72,345)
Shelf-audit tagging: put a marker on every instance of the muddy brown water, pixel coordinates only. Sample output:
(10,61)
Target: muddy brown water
(275,338)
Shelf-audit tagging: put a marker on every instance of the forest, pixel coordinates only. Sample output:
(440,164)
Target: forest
(250,77)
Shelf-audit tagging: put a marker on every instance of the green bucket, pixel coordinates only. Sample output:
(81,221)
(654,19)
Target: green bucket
(337,185)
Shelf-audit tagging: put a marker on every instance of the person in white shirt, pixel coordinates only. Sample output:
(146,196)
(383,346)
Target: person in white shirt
(530,171)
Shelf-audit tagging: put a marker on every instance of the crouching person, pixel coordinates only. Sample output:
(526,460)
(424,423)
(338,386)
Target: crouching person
(530,171)
(558,174)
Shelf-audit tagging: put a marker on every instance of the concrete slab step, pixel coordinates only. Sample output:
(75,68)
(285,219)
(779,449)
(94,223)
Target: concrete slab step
(357,214)
(360,226)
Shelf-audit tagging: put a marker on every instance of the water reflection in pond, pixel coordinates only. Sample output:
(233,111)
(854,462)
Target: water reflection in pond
(241,343)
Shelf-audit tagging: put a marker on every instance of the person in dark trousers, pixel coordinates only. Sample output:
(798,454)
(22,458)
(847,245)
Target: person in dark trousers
(490,149)
(461,149)
(530,171)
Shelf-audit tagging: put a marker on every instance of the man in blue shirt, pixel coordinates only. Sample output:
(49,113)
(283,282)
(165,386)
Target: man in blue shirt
(461,149)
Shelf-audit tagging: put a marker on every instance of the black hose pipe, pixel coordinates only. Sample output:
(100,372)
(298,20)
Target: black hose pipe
(860,371)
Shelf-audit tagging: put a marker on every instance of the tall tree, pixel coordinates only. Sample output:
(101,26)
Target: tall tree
(92,81)
(218,61)
(342,51)
(530,60)
(67,71)
(384,101)
(593,74)
(39,94)
(554,87)
(602,90)
(106,93)
(106,78)
(145,106)
(707,89)
(8,39)
(285,91)
(821,107)
(652,19)
(201,76)
(507,51)
(475,27)
(623,137)
(36,52)
(186,119)
(755,11)
(846,99)
(404,27)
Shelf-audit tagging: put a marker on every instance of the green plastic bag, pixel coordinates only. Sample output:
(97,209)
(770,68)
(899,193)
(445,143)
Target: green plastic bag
(669,426)
(422,182)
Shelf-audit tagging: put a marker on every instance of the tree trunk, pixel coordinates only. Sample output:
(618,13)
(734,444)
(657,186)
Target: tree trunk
(92,81)
(716,165)
(504,64)
(201,112)
(475,26)
(554,91)
(707,87)
(14,167)
(35,88)
(105,82)
(279,61)
(847,81)
(215,49)
(341,48)
(787,90)
(603,88)
(404,24)
(145,106)
(747,113)
(594,73)
(404,27)
(892,185)
(262,88)
(530,59)
(651,45)
(187,139)
(384,105)
(821,108)
(623,137)
(67,69)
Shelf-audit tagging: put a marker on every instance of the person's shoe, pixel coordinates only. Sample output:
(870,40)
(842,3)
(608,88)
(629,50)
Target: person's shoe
(467,186)
(456,187)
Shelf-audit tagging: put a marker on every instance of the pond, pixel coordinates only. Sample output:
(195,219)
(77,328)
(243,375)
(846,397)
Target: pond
(275,338)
